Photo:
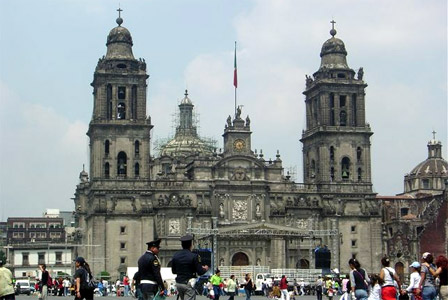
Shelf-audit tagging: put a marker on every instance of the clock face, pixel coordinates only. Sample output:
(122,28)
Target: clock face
(239,145)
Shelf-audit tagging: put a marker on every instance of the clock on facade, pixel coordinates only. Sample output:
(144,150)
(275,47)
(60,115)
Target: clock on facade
(239,145)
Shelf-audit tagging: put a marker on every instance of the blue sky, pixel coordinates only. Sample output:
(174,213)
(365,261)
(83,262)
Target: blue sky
(49,50)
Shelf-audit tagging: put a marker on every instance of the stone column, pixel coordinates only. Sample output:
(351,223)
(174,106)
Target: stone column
(215,243)
(335,244)
(278,253)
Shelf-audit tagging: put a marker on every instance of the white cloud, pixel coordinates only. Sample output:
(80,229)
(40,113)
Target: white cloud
(41,159)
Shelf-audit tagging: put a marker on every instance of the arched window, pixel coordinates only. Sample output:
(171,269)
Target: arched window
(137,147)
(121,164)
(358,154)
(137,170)
(343,118)
(106,147)
(331,153)
(332,109)
(109,101)
(121,92)
(332,173)
(345,168)
(313,169)
(121,111)
(134,102)
(359,174)
(354,108)
(106,170)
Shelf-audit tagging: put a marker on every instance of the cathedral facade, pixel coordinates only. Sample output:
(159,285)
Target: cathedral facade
(235,202)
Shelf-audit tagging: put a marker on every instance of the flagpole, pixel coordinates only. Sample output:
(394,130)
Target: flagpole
(235,79)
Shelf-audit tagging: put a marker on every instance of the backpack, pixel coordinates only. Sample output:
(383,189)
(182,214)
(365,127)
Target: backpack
(91,284)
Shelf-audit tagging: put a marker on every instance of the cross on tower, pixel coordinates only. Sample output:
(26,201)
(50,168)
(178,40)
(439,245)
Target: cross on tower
(434,134)
(332,24)
(119,11)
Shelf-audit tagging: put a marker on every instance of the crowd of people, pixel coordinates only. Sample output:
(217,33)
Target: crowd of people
(428,280)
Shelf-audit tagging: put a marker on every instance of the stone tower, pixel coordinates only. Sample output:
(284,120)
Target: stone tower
(237,136)
(119,129)
(119,135)
(336,141)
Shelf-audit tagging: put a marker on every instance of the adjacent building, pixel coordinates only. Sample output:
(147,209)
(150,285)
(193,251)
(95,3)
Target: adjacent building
(34,241)
(416,221)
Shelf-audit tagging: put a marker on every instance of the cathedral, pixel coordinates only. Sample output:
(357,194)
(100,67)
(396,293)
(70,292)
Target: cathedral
(244,208)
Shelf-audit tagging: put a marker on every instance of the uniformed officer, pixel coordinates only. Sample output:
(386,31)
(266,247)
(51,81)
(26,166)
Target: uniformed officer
(187,266)
(149,270)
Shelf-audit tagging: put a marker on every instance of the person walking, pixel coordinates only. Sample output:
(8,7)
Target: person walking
(231,287)
(44,281)
(319,284)
(149,269)
(6,285)
(135,286)
(187,265)
(427,285)
(284,288)
(82,277)
(126,285)
(414,280)
(442,273)
(387,277)
(249,286)
(216,281)
(359,280)
(375,290)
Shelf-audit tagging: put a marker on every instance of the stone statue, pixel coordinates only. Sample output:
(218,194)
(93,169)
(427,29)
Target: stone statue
(229,121)
(308,81)
(247,121)
(360,73)
(221,210)
(238,112)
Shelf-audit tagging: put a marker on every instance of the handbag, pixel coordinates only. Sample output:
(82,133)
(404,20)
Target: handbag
(159,297)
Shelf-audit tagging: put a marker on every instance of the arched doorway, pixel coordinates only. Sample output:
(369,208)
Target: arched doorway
(240,259)
(303,264)
(399,268)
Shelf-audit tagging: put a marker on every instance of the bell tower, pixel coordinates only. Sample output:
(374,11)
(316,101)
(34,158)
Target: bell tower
(119,130)
(336,141)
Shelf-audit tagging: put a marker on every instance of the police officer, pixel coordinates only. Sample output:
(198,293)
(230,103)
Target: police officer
(149,270)
(187,266)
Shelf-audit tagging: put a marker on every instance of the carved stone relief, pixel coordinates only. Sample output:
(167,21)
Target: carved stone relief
(239,211)
(174,226)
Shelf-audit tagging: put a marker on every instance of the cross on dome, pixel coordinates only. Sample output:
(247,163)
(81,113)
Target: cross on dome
(119,19)
(333,31)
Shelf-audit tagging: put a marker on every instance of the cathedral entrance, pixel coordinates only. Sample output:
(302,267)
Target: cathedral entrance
(240,259)
(303,264)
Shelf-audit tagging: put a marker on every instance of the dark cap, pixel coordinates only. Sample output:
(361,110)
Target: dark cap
(155,243)
(186,238)
(80,260)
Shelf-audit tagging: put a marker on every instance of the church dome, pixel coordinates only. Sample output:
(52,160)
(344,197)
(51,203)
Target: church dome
(186,145)
(431,173)
(186,142)
(333,45)
(119,43)
(119,35)
(333,54)
(431,167)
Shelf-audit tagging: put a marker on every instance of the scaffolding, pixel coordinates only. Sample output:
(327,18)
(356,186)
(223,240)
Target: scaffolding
(214,232)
